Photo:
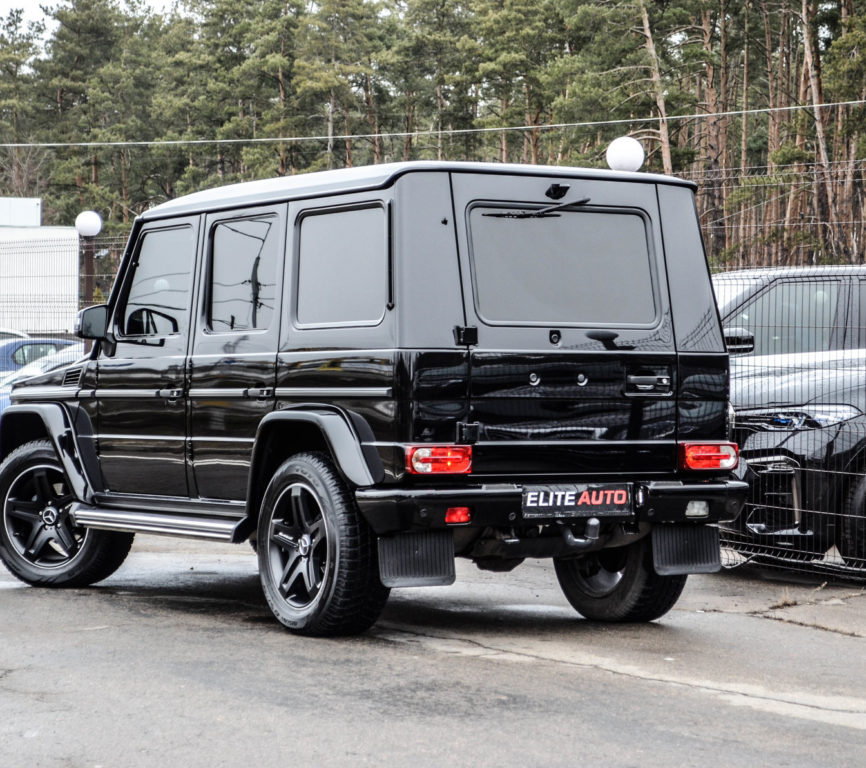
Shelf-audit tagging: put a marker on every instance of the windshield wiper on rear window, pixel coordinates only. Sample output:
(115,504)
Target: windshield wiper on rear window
(537,214)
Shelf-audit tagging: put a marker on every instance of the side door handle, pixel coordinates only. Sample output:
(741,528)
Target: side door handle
(172,395)
(259,393)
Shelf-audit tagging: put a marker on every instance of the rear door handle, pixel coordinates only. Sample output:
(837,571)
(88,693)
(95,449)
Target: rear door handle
(652,384)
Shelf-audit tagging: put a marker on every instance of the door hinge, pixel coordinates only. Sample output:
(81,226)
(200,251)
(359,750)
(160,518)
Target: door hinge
(468,432)
(465,335)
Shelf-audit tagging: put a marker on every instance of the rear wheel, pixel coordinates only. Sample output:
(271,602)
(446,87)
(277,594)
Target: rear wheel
(618,584)
(39,543)
(317,556)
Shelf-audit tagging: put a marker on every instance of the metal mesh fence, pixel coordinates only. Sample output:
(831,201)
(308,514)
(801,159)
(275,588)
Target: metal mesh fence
(798,385)
(48,273)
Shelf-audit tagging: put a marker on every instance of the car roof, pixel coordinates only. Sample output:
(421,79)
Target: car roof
(370,177)
(771,273)
(18,342)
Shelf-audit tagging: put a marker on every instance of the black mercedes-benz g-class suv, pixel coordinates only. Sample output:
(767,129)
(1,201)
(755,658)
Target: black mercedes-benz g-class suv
(367,372)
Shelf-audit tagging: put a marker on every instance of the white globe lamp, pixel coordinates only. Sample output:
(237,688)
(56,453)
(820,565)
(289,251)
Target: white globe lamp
(88,223)
(625,154)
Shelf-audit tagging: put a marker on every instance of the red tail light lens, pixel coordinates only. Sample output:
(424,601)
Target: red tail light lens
(458,515)
(709,456)
(439,459)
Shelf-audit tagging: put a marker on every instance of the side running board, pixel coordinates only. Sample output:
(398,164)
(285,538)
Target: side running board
(106,519)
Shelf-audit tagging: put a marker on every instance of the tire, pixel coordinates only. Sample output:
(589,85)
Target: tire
(851,540)
(618,585)
(318,561)
(38,542)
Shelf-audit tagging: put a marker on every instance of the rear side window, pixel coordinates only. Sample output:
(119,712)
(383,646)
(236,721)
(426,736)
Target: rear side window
(243,272)
(577,267)
(343,267)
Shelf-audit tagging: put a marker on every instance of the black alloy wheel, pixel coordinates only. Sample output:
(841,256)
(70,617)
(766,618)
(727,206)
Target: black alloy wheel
(318,561)
(298,546)
(39,541)
(36,516)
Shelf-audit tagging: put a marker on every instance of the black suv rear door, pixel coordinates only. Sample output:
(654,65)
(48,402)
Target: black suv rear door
(574,367)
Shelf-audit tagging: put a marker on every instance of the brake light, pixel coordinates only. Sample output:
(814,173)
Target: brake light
(708,455)
(439,459)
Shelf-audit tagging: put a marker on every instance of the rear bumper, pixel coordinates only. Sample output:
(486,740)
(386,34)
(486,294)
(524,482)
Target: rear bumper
(390,510)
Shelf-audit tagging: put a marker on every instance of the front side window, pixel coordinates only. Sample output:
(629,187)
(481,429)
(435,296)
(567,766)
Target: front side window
(791,317)
(158,299)
(343,267)
(569,267)
(243,274)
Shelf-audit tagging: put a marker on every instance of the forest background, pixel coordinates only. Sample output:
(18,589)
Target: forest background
(116,108)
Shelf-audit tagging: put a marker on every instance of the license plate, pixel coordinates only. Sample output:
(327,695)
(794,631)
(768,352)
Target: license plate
(577,500)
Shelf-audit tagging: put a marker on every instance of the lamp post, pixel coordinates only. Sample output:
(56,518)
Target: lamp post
(89,225)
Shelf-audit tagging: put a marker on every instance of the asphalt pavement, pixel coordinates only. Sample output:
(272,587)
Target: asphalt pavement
(176,661)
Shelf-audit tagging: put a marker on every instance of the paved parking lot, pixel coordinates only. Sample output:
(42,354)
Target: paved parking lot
(175,660)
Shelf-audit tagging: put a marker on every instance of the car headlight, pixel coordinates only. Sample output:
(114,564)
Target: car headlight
(798,417)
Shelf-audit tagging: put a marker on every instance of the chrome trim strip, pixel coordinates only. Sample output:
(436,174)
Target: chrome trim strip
(136,394)
(232,392)
(334,392)
(44,393)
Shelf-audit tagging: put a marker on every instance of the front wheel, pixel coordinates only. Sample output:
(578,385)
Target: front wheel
(618,584)
(852,526)
(317,557)
(39,542)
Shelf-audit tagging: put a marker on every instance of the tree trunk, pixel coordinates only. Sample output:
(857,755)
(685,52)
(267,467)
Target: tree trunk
(812,62)
(658,90)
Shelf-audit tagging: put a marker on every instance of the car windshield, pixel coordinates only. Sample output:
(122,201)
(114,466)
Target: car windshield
(571,267)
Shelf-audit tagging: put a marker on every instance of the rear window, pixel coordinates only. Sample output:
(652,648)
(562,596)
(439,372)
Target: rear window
(569,267)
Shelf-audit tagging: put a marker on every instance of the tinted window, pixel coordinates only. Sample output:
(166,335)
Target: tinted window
(568,267)
(157,303)
(791,317)
(243,274)
(343,267)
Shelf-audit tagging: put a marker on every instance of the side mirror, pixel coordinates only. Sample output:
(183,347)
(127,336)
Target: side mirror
(739,341)
(92,322)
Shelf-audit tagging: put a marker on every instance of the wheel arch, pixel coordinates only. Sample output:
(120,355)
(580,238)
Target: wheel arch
(20,424)
(282,434)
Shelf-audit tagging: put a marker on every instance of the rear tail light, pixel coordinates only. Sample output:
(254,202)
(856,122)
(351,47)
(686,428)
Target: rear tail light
(439,459)
(709,456)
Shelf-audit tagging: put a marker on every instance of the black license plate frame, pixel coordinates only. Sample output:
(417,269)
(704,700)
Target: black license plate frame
(577,500)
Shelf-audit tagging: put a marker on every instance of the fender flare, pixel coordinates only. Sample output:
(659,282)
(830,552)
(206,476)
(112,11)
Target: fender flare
(341,434)
(58,429)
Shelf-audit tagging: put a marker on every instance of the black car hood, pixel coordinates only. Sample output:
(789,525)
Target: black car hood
(790,380)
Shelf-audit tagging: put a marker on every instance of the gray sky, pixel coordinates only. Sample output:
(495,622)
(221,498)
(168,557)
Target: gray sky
(33,13)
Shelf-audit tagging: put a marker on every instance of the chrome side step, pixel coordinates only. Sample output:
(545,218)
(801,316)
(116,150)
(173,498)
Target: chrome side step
(106,519)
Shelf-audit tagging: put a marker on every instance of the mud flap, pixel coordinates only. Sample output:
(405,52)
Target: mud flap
(685,548)
(417,559)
